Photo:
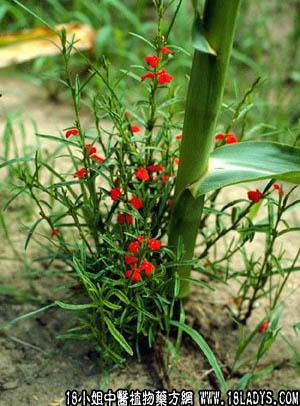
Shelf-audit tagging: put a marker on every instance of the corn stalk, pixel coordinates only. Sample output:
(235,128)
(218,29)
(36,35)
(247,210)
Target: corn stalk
(200,170)
(213,36)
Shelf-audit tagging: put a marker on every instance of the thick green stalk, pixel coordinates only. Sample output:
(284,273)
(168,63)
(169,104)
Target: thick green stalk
(203,104)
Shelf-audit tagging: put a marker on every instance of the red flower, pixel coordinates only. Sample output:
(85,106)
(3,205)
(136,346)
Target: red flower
(142,174)
(155,168)
(54,232)
(136,202)
(231,139)
(255,195)
(129,259)
(80,173)
(134,247)
(263,327)
(163,77)
(279,188)
(179,137)
(147,75)
(220,136)
(121,218)
(115,193)
(152,60)
(136,273)
(165,50)
(135,129)
(90,150)
(71,132)
(147,267)
(127,114)
(140,238)
(98,158)
(176,161)
(154,245)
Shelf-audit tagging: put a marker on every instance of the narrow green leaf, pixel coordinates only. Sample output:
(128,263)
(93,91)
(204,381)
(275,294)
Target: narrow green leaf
(13,198)
(206,350)
(118,336)
(296,327)
(197,282)
(111,305)
(120,295)
(142,38)
(24,316)
(199,38)
(61,140)
(10,291)
(248,162)
(67,183)
(16,161)
(242,382)
(67,306)
(31,231)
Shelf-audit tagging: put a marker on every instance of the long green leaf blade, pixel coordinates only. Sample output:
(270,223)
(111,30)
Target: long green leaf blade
(247,162)
(118,336)
(15,161)
(68,306)
(205,348)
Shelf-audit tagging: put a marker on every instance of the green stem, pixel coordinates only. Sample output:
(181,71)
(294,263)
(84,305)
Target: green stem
(203,104)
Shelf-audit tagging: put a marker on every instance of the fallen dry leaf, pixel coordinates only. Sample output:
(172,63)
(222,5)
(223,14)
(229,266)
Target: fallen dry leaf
(25,45)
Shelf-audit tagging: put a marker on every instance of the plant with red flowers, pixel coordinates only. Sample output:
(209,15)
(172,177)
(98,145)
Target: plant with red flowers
(125,231)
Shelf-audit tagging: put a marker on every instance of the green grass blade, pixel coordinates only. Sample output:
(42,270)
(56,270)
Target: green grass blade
(199,340)
(24,316)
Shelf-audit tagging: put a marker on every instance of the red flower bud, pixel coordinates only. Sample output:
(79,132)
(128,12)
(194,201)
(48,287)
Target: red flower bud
(263,327)
(135,129)
(136,275)
(165,50)
(97,158)
(71,132)
(136,202)
(134,247)
(129,259)
(231,139)
(80,173)
(90,150)
(147,267)
(164,77)
(255,195)
(54,232)
(152,60)
(147,75)
(154,245)
(142,174)
(115,193)
(140,238)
